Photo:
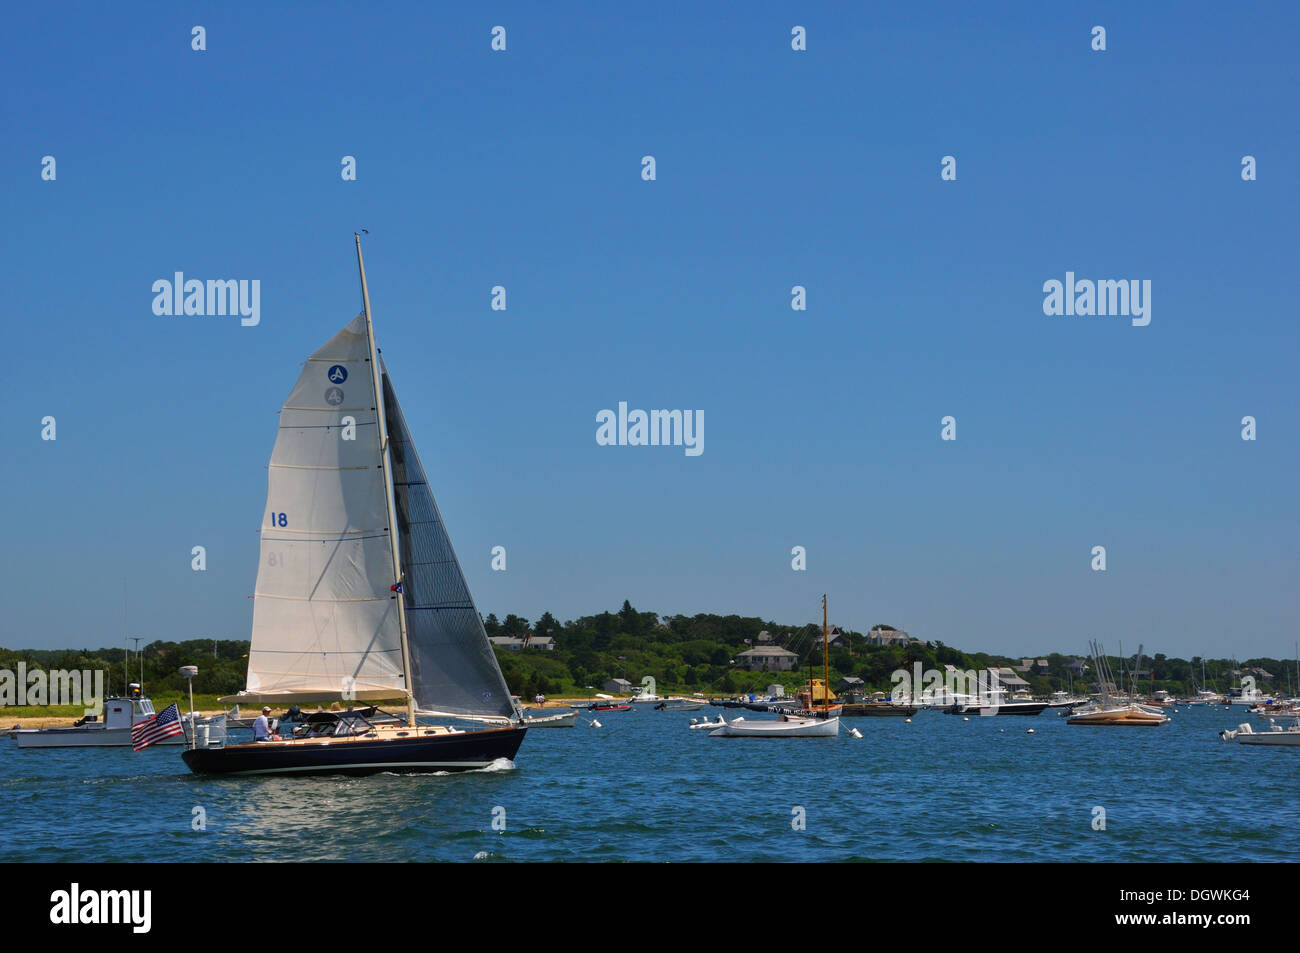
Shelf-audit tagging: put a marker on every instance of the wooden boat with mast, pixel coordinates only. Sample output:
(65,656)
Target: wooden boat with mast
(822,724)
(1108,711)
(359,593)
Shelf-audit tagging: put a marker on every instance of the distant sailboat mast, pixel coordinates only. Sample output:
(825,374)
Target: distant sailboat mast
(826,661)
(388,489)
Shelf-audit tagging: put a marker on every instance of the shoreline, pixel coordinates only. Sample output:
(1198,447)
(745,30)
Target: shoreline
(67,721)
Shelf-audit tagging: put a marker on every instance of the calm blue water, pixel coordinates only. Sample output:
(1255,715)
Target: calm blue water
(644,788)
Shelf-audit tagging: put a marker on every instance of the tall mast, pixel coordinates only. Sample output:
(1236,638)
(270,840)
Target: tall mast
(126,652)
(389,498)
(826,661)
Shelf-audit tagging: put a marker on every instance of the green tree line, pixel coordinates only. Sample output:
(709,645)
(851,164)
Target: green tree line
(682,653)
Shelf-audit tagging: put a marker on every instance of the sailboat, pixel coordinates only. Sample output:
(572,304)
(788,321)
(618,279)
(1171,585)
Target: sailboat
(360,597)
(816,725)
(1110,711)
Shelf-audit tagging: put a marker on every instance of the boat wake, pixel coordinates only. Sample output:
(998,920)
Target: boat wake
(500,764)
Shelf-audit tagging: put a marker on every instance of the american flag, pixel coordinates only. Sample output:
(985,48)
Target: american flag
(162,725)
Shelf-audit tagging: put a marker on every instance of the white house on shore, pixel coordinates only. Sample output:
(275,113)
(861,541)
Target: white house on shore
(879,636)
(767,658)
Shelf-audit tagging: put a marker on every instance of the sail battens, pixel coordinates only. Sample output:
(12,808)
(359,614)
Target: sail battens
(322,537)
(333,409)
(320,599)
(306,466)
(301,652)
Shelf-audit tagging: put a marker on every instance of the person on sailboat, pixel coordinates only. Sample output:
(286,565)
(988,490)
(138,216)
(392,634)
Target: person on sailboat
(262,727)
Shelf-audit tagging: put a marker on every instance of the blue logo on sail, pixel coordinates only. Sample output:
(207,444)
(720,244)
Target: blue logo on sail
(338,374)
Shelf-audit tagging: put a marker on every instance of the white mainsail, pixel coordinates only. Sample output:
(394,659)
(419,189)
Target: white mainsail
(325,621)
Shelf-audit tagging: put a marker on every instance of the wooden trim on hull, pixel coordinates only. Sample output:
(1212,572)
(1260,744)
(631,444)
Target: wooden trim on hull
(458,751)
(877,711)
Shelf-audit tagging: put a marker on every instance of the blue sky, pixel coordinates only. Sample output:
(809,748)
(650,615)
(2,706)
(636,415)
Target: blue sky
(775,168)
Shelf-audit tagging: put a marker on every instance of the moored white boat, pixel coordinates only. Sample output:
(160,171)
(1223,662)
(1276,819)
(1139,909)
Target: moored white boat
(678,703)
(819,724)
(704,724)
(786,726)
(1276,710)
(1276,735)
(562,719)
(1065,700)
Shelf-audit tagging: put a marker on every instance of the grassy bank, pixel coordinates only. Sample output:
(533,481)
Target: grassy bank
(160,701)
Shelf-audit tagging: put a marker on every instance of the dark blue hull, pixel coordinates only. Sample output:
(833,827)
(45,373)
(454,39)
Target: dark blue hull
(461,751)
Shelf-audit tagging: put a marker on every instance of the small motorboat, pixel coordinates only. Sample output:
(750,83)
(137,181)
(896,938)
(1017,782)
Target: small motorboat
(1288,737)
(1274,710)
(681,704)
(612,705)
(703,724)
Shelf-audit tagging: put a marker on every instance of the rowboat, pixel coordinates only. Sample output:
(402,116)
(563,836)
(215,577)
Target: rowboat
(563,719)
